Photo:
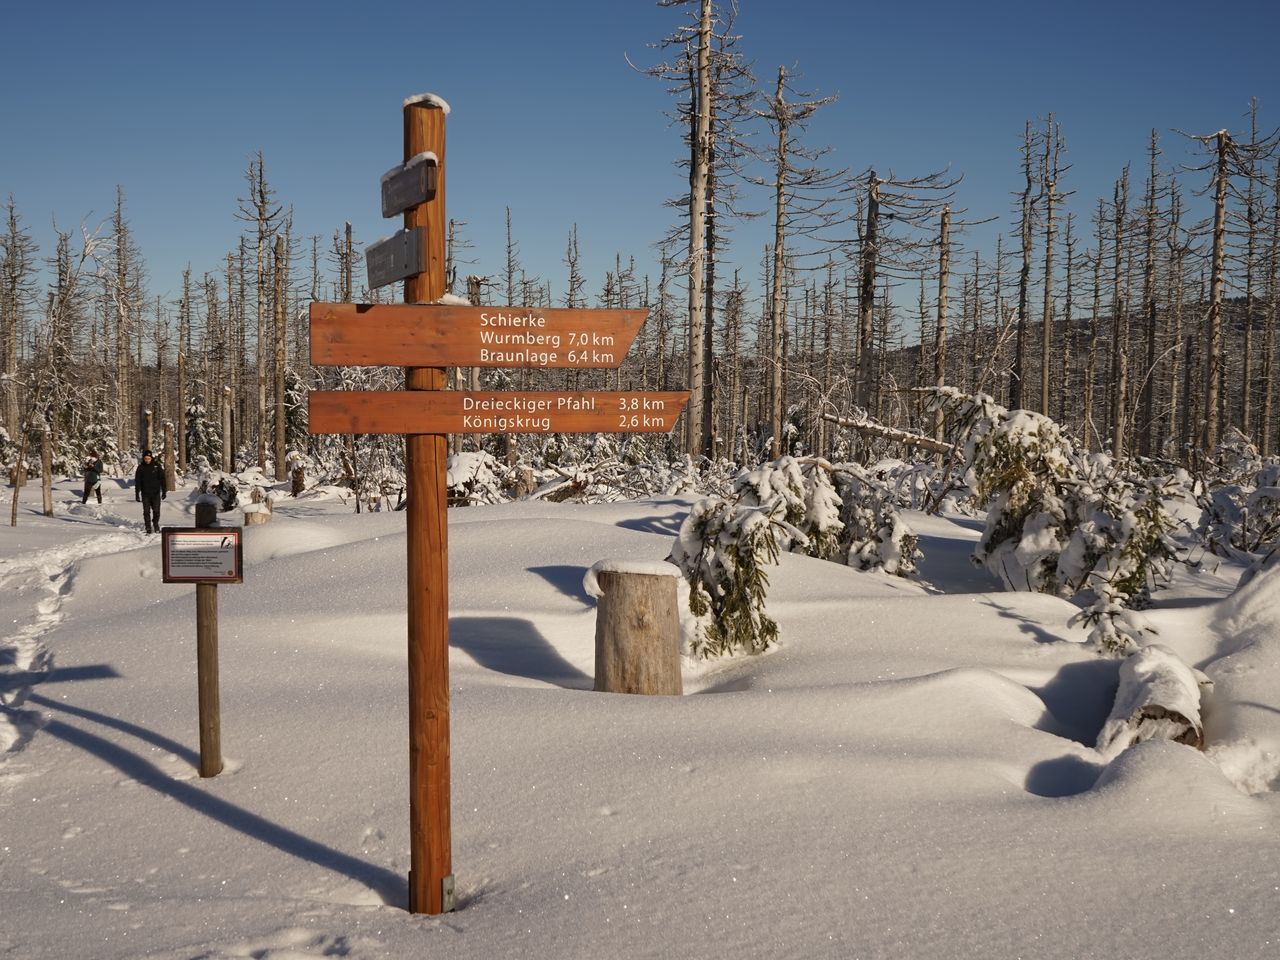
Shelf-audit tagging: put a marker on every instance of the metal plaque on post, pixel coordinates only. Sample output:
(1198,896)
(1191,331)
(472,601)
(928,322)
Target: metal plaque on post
(395,258)
(412,183)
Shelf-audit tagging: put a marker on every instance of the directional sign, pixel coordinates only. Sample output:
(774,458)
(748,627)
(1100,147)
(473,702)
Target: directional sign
(457,411)
(409,184)
(438,335)
(397,257)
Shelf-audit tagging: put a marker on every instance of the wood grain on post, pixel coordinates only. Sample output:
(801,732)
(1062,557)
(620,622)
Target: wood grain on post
(430,842)
(637,634)
(207,664)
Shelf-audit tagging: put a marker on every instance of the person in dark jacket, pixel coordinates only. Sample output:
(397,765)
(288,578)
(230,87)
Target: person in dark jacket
(148,488)
(92,477)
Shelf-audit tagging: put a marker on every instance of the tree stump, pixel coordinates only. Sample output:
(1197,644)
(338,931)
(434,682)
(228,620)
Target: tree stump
(298,481)
(637,628)
(259,508)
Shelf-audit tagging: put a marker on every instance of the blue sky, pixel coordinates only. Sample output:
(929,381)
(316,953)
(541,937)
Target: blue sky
(170,100)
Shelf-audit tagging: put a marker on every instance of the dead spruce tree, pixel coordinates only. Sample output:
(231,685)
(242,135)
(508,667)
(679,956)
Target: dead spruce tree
(1232,164)
(804,210)
(712,82)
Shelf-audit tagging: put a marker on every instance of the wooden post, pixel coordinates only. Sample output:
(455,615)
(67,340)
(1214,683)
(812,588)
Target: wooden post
(430,840)
(207,662)
(637,634)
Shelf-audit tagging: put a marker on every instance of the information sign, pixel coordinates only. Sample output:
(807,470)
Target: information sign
(398,257)
(412,183)
(202,554)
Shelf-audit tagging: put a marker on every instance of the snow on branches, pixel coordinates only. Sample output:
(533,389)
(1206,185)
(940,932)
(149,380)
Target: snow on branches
(1063,522)
(726,543)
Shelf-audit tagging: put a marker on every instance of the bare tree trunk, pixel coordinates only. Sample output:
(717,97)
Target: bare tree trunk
(1209,434)
(280,326)
(1273,311)
(1095,329)
(1119,325)
(867,292)
(46,471)
(1017,386)
(1052,149)
(777,315)
(1252,215)
(699,173)
(1176,283)
(1146,409)
(940,336)
(1068,331)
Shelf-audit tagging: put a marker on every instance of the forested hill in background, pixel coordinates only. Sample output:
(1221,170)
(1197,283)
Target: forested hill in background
(1144,321)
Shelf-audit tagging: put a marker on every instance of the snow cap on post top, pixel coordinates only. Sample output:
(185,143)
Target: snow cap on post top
(429,98)
(650,568)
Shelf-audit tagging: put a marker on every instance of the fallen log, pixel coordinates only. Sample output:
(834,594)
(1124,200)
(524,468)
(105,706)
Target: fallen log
(905,437)
(1158,698)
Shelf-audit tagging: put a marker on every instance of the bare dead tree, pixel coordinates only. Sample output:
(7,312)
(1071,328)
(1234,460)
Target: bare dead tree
(261,210)
(1231,161)
(17,298)
(804,211)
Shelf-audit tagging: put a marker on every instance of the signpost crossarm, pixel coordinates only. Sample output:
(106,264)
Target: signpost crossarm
(431,855)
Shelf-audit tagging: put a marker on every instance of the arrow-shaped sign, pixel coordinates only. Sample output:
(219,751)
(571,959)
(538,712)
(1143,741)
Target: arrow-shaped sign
(441,335)
(457,411)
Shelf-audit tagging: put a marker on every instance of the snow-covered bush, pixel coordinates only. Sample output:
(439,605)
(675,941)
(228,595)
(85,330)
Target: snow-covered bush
(874,536)
(221,485)
(1240,503)
(723,548)
(474,478)
(1075,525)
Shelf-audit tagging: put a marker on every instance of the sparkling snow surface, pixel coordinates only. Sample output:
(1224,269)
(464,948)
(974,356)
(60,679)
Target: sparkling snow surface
(910,775)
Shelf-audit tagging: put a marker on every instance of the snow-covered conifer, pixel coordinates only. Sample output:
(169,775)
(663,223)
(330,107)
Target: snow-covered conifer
(874,536)
(203,437)
(100,436)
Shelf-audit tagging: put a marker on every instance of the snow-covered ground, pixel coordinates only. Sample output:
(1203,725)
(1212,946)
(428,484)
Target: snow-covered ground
(910,775)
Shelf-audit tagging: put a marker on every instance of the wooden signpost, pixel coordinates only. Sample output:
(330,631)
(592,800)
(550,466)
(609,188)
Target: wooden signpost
(205,555)
(424,337)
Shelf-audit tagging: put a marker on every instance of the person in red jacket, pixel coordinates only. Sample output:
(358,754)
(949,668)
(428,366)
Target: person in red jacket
(148,489)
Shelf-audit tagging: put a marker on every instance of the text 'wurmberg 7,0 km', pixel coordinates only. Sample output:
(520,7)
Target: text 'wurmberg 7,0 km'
(445,335)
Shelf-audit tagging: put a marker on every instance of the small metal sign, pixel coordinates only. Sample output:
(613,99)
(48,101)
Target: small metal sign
(395,258)
(412,183)
(202,554)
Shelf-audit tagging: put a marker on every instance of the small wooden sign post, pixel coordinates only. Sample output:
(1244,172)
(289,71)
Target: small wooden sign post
(205,555)
(425,337)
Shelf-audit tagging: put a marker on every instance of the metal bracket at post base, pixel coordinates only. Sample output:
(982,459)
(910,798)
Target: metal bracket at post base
(448,896)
